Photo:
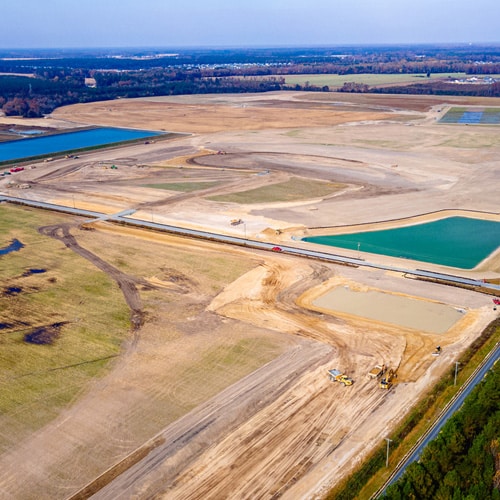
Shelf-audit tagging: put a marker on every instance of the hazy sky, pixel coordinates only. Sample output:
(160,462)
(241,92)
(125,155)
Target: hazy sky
(178,23)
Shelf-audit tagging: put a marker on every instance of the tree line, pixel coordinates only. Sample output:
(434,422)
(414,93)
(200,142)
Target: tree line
(36,97)
(58,77)
(463,462)
(442,88)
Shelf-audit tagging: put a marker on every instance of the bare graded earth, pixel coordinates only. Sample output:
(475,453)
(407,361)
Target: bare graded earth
(222,389)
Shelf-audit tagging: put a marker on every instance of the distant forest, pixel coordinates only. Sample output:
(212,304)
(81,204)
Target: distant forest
(59,77)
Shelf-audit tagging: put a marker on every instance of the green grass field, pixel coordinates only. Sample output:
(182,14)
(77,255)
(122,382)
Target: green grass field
(38,380)
(184,355)
(293,190)
(185,187)
(370,79)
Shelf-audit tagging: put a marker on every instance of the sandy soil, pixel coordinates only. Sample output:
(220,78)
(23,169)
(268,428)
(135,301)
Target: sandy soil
(283,430)
(216,114)
(48,122)
(405,312)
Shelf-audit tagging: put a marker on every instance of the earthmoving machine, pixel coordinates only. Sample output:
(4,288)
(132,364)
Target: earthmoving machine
(338,376)
(386,382)
(236,222)
(377,371)
(437,352)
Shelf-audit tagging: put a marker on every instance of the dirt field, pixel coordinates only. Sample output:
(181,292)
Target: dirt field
(222,389)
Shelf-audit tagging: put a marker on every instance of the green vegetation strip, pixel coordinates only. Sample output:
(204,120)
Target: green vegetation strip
(295,189)
(365,481)
(185,187)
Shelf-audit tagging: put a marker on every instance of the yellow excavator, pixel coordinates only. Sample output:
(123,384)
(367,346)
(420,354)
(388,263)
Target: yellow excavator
(386,382)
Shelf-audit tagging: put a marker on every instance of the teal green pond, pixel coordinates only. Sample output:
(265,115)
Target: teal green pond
(460,242)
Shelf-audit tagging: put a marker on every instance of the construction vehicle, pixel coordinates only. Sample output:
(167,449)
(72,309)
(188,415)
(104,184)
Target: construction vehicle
(377,371)
(236,222)
(437,352)
(338,376)
(386,382)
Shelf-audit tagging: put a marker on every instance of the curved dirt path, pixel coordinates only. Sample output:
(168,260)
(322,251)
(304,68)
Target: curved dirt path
(128,284)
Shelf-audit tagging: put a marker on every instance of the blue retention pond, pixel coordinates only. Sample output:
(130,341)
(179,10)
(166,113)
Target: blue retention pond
(486,116)
(70,141)
(473,117)
(15,245)
(460,242)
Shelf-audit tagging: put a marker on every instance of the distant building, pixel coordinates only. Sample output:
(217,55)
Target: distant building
(90,82)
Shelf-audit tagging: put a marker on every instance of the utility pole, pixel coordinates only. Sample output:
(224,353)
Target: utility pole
(387,457)
(456,370)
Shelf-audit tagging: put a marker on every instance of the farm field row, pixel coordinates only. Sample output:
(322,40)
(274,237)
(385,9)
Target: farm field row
(371,79)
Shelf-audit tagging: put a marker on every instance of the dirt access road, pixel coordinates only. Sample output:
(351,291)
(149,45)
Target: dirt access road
(128,284)
(283,430)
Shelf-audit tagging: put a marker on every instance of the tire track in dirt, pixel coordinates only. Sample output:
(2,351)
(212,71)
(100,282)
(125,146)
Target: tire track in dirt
(127,284)
(265,461)
(180,444)
(275,304)
(283,450)
(61,172)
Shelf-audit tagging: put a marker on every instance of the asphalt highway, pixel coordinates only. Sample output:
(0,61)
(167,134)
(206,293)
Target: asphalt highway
(452,407)
(326,256)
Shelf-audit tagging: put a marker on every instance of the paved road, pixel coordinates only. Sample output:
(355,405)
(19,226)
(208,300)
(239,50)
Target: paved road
(452,407)
(330,257)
